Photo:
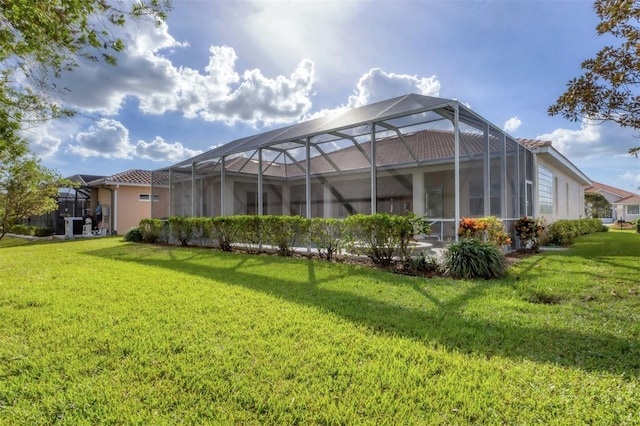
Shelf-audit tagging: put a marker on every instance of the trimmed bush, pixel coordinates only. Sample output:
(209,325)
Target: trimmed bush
(33,231)
(326,235)
(181,229)
(637,225)
(134,235)
(471,258)
(200,228)
(153,230)
(250,232)
(563,232)
(224,230)
(284,232)
(382,236)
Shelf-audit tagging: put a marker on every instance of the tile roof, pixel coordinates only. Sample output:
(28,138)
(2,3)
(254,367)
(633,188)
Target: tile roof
(534,143)
(597,186)
(133,177)
(632,199)
(426,145)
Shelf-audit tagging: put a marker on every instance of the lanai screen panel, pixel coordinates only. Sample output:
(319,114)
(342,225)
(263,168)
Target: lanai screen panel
(403,151)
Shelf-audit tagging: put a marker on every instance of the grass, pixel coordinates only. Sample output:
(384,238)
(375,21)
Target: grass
(101,331)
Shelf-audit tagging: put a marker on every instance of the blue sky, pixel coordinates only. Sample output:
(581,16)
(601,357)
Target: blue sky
(221,70)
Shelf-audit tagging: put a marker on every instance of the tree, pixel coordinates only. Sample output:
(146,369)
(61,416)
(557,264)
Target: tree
(596,206)
(39,41)
(608,90)
(27,189)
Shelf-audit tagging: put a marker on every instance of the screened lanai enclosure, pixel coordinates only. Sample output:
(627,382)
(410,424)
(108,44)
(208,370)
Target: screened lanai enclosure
(431,156)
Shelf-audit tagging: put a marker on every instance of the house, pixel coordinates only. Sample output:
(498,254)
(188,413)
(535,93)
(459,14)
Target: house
(560,184)
(625,205)
(432,156)
(125,198)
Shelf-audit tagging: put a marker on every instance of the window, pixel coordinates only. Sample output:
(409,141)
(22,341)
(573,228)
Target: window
(545,190)
(147,197)
(633,209)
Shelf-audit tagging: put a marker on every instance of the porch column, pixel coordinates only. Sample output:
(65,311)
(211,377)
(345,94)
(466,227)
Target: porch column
(418,193)
(456,162)
(171,194)
(307,177)
(374,177)
(260,210)
(486,172)
(193,189)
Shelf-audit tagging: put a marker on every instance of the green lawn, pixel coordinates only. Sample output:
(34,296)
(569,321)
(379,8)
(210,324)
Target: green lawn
(101,331)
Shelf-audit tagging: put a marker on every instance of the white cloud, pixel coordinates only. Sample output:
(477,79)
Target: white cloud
(219,93)
(512,124)
(107,138)
(159,150)
(377,85)
(600,151)
(592,140)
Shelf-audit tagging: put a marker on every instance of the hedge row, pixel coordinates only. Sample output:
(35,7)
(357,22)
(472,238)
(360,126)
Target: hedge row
(381,237)
(34,231)
(563,232)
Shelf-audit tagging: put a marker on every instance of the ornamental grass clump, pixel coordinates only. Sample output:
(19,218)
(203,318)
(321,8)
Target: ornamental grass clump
(471,258)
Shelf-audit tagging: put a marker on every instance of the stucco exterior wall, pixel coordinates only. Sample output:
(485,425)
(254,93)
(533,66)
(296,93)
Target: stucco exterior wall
(568,195)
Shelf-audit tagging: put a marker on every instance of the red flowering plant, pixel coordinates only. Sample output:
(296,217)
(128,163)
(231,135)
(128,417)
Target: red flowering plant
(529,231)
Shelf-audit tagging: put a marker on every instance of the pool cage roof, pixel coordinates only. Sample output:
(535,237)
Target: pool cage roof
(351,128)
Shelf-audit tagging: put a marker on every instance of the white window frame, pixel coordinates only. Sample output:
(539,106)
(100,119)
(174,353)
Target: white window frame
(546,190)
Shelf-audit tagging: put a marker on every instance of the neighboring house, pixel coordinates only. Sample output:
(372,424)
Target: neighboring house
(72,202)
(126,198)
(432,156)
(625,205)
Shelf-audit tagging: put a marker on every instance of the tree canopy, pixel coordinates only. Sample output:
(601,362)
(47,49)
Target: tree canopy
(609,88)
(39,41)
(596,206)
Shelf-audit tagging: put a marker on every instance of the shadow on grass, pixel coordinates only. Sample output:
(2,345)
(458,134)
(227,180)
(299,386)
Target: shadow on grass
(442,326)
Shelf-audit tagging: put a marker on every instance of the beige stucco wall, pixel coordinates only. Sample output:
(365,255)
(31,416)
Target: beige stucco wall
(129,208)
(124,209)
(568,196)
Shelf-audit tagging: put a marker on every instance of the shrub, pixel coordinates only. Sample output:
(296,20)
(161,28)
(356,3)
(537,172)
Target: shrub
(200,228)
(153,230)
(529,231)
(488,229)
(472,258)
(326,235)
(42,231)
(134,235)
(181,229)
(225,231)
(563,232)
(250,232)
(382,236)
(472,228)
(637,225)
(284,232)
(421,263)
(495,231)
